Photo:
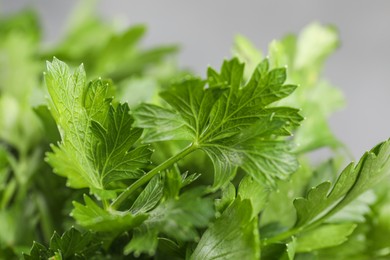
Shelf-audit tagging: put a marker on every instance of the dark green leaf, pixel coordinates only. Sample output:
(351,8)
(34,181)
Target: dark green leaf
(71,245)
(232,122)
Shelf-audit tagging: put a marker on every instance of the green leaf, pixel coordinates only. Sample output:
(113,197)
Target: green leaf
(357,210)
(98,140)
(149,197)
(105,51)
(38,251)
(73,242)
(176,218)
(120,57)
(234,125)
(173,182)
(228,195)
(91,216)
(291,249)
(71,245)
(328,235)
(304,55)
(241,124)
(315,43)
(162,124)
(279,210)
(144,240)
(114,152)
(257,193)
(234,235)
(180,217)
(372,168)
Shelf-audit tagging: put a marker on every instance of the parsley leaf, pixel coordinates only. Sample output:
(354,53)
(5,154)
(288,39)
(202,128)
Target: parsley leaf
(71,245)
(93,217)
(305,55)
(177,218)
(232,236)
(98,140)
(324,201)
(372,168)
(234,124)
(325,236)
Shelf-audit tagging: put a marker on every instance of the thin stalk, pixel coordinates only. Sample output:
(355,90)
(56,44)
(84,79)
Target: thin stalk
(144,179)
(105,203)
(281,236)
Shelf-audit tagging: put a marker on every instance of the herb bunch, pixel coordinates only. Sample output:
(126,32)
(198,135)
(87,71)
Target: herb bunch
(202,168)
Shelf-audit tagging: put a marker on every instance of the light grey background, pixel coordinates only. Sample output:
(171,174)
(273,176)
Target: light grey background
(205,30)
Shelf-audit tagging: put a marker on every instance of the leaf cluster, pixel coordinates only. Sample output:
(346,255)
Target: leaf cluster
(202,168)
(33,201)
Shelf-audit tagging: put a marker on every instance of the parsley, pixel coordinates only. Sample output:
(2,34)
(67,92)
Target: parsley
(189,168)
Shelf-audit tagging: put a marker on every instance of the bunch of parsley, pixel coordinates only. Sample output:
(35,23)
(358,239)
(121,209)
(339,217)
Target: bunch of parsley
(213,168)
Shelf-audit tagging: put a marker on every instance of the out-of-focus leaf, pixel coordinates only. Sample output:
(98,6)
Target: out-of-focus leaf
(328,235)
(232,236)
(177,218)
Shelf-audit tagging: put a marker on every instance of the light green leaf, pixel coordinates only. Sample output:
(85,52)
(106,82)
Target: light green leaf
(149,197)
(291,248)
(315,43)
(144,240)
(172,183)
(20,127)
(98,140)
(254,191)
(228,195)
(328,235)
(234,235)
(357,210)
(304,55)
(373,167)
(93,217)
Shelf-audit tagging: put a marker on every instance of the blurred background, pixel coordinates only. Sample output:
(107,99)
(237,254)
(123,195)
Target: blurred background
(205,31)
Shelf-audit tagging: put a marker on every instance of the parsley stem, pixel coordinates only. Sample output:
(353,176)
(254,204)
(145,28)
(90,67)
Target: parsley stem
(144,179)
(280,237)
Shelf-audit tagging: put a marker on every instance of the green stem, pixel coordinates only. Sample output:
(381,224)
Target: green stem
(105,204)
(280,237)
(144,179)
